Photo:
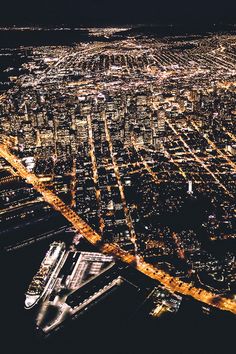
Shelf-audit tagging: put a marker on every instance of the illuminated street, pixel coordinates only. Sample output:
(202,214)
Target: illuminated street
(174,284)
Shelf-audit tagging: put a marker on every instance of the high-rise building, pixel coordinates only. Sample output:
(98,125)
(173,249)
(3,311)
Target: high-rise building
(190,187)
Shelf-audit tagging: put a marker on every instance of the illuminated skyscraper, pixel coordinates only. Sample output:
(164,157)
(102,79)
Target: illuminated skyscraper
(190,187)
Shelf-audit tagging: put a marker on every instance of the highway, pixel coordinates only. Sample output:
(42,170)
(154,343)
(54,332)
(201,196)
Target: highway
(80,225)
(173,284)
(128,218)
(95,172)
(73,184)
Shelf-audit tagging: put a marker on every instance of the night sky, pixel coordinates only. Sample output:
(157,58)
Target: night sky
(100,12)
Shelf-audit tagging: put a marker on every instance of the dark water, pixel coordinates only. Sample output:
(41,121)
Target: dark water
(16,45)
(10,59)
(17,38)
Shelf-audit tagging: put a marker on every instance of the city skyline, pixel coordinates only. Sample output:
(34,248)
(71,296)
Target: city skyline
(117,180)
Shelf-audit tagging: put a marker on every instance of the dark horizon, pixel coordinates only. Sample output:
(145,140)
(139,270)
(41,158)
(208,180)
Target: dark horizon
(100,13)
